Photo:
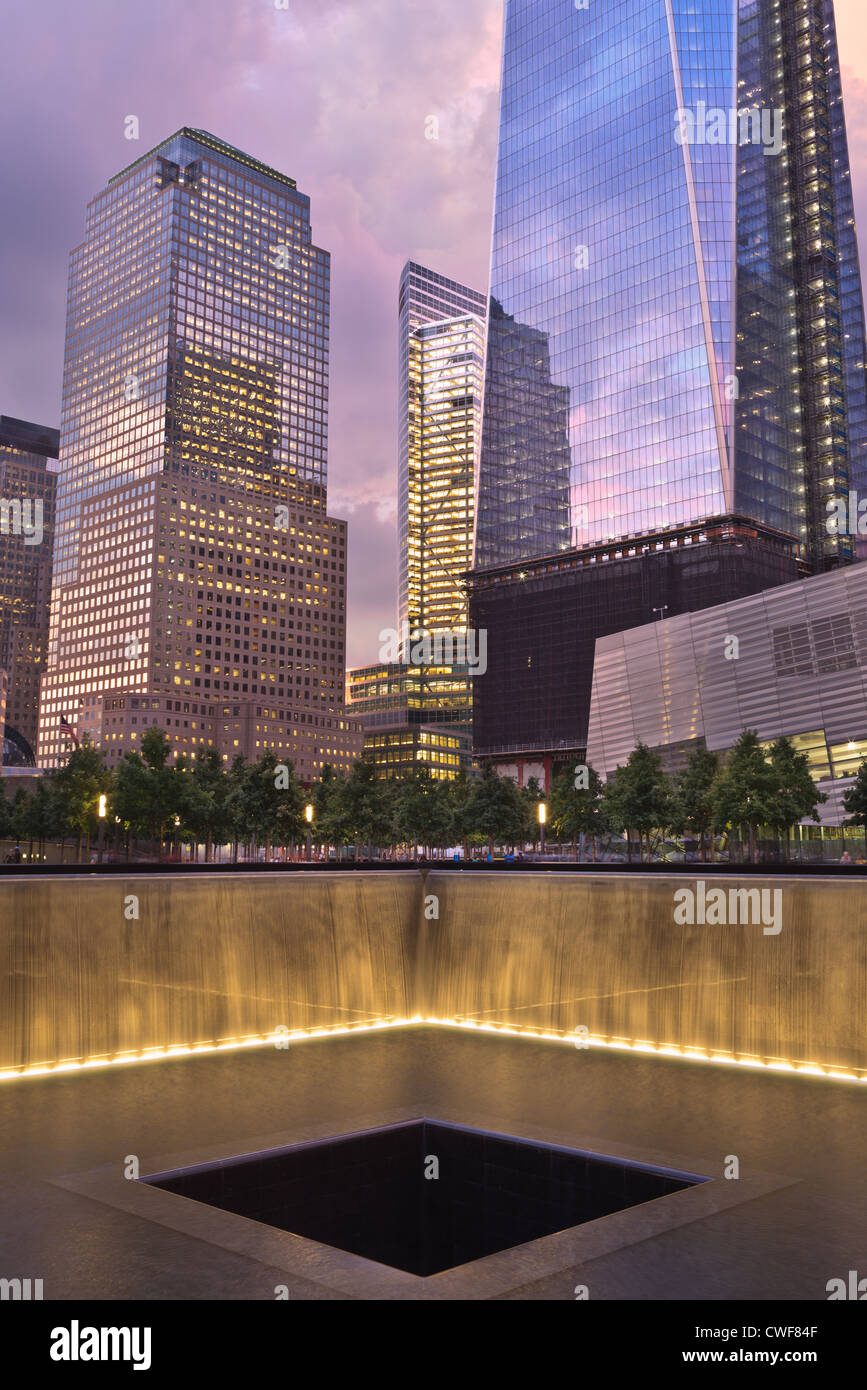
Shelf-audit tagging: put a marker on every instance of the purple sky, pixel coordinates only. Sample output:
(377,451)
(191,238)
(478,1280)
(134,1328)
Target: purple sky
(336,94)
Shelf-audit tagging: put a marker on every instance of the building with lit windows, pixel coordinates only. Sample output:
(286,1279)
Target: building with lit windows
(398,751)
(674,230)
(199,582)
(414,714)
(28,486)
(441,348)
(441,345)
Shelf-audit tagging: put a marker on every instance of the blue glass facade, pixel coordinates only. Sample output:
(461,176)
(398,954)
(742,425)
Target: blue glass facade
(852,298)
(770,449)
(695,316)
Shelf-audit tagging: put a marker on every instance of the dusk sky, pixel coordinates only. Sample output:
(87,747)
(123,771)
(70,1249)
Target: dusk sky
(335,93)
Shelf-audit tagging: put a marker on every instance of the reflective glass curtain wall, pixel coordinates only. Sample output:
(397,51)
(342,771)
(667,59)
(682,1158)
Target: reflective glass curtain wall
(613,249)
(441,332)
(689,278)
(851,292)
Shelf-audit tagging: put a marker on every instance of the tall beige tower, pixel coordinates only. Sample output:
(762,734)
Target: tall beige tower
(198,582)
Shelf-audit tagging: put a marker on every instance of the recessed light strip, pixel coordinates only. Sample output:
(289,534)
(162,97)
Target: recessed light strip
(281,1037)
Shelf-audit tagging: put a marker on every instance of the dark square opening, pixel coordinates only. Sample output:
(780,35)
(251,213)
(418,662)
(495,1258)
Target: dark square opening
(423,1196)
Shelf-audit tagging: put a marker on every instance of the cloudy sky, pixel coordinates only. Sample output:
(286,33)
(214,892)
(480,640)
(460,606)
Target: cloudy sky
(335,93)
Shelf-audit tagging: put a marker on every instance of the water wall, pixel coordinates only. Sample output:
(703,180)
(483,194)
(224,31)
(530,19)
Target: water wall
(604,952)
(207,958)
(232,957)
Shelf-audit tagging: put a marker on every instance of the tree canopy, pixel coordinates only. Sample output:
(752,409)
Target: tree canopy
(257,805)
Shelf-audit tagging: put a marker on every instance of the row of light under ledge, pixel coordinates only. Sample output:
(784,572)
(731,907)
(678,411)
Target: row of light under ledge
(690,1054)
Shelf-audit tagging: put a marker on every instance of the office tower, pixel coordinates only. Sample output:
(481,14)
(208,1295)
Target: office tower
(28,485)
(673,222)
(674,217)
(199,582)
(838,174)
(420,711)
(441,344)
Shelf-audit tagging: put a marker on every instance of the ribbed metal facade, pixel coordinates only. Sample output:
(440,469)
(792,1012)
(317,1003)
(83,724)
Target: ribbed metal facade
(792,660)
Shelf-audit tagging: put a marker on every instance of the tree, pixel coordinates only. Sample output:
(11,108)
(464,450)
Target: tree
(18,819)
(41,815)
(795,794)
(460,791)
(202,790)
(211,814)
(692,805)
(57,811)
(577,809)
(422,812)
(531,795)
(236,804)
(855,800)
(639,796)
(147,791)
(265,801)
(368,805)
(78,785)
(331,821)
(290,811)
(495,809)
(743,792)
(274,801)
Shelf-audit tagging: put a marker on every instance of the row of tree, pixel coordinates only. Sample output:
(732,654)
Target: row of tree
(749,789)
(262,805)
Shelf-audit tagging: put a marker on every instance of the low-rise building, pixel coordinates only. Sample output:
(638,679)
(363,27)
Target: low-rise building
(790,660)
(414,714)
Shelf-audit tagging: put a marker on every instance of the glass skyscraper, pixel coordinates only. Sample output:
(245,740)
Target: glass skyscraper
(441,345)
(421,713)
(673,233)
(195,564)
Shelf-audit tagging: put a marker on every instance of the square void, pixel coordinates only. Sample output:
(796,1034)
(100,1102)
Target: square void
(369,1194)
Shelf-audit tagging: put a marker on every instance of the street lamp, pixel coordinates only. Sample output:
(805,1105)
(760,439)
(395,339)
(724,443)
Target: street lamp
(100,844)
(543,816)
(308,812)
